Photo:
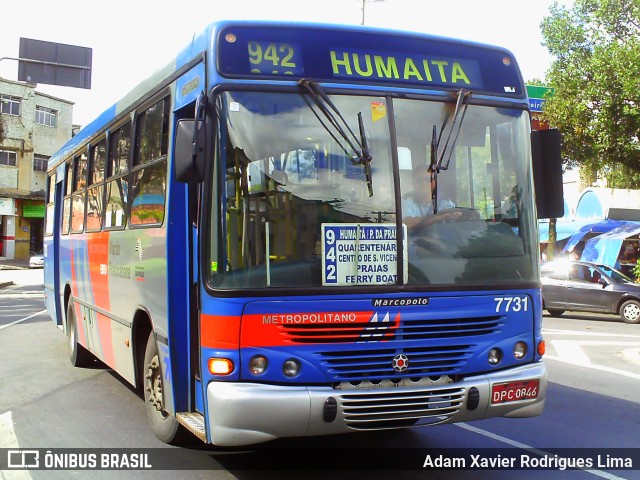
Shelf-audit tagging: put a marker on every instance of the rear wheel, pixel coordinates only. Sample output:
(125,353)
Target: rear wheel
(630,311)
(554,312)
(79,356)
(163,424)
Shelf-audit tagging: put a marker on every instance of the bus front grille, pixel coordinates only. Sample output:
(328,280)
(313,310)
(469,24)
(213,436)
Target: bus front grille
(378,364)
(388,329)
(387,410)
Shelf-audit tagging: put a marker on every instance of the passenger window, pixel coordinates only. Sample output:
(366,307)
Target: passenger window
(149,187)
(149,174)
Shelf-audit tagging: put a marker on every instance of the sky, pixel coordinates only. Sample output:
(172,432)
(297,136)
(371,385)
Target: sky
(131,39)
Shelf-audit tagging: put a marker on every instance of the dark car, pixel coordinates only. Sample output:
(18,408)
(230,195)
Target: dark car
(588,287)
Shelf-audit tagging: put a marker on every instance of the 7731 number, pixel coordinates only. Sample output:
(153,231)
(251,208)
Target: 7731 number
(512,304)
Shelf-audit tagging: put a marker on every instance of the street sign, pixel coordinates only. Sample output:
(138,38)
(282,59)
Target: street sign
(537,96)
(536,104)
(54,63)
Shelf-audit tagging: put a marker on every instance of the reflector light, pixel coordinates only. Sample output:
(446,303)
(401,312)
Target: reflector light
(220,366)
(542,348)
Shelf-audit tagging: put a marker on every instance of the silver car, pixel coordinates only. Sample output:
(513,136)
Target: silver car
(36,261)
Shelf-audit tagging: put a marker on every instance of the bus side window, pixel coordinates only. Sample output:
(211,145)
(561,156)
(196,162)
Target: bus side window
(66,204)
(51,195)
(96,180)
(149,183)
(117,185)
(78,198)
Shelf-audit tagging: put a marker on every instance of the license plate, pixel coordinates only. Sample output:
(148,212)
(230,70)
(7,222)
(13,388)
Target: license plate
(514,391)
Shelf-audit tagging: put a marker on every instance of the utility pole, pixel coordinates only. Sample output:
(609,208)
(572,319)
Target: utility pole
(363,7)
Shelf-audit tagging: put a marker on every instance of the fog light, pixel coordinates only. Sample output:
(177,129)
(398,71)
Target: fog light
(290,368)
(519,350)
(220,366)
(495,355)
(258,365)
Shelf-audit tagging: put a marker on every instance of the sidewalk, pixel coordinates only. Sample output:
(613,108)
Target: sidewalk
(13,264)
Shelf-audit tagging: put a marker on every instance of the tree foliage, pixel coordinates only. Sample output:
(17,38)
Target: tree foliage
(596,77)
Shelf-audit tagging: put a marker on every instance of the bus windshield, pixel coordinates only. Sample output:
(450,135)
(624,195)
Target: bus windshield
(291,183)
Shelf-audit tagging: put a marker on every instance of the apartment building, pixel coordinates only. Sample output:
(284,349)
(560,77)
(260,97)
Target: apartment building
(34,126)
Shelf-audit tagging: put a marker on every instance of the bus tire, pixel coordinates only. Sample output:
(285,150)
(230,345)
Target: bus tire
(163,424)
(79,355)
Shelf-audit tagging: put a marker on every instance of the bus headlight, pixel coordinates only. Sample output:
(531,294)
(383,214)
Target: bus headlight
(494,357)
(291,368)
(258,365)
(519,350)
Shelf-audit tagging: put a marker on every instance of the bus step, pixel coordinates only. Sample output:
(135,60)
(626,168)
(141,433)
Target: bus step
(194,422)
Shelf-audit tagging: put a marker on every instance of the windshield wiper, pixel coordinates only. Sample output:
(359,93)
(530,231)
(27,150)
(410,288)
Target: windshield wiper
(359,146)
(463,99)
(365,158)
(433,169)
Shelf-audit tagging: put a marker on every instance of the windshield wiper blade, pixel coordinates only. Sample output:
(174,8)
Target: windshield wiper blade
(433,169)
(365,159)
(463,97)
(331,113)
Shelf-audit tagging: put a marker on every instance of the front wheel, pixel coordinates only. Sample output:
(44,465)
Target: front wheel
(630,311)
(554,312)
(79,356)
(163,424)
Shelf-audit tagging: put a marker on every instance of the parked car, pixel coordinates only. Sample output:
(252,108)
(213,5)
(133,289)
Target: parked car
(36,261)
(589,287)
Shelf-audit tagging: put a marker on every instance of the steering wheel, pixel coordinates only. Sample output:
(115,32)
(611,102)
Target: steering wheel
(462,214)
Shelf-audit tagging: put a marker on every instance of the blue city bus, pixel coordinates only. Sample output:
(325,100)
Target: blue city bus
(234,236)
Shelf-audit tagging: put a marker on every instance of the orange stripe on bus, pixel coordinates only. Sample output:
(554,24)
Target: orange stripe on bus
(219,331)
(98,258)
(98,253)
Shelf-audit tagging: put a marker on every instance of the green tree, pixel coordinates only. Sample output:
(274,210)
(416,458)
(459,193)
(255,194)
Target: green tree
(596,77)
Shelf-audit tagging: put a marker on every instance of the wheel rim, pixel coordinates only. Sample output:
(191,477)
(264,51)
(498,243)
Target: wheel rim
(632,312)
(154,385)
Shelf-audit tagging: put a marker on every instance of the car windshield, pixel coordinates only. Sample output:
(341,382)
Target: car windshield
(295,204)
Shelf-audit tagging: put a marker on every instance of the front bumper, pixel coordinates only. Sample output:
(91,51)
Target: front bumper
(249,413)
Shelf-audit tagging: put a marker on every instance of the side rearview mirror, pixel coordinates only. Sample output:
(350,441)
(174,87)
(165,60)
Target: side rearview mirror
(189,148)
(546,150)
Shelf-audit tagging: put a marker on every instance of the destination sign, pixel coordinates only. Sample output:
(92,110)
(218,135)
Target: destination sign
(275,58)
(289,52)
(364,65)
(360,254)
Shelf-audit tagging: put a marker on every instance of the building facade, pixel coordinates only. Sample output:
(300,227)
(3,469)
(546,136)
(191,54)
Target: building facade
(35,125)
